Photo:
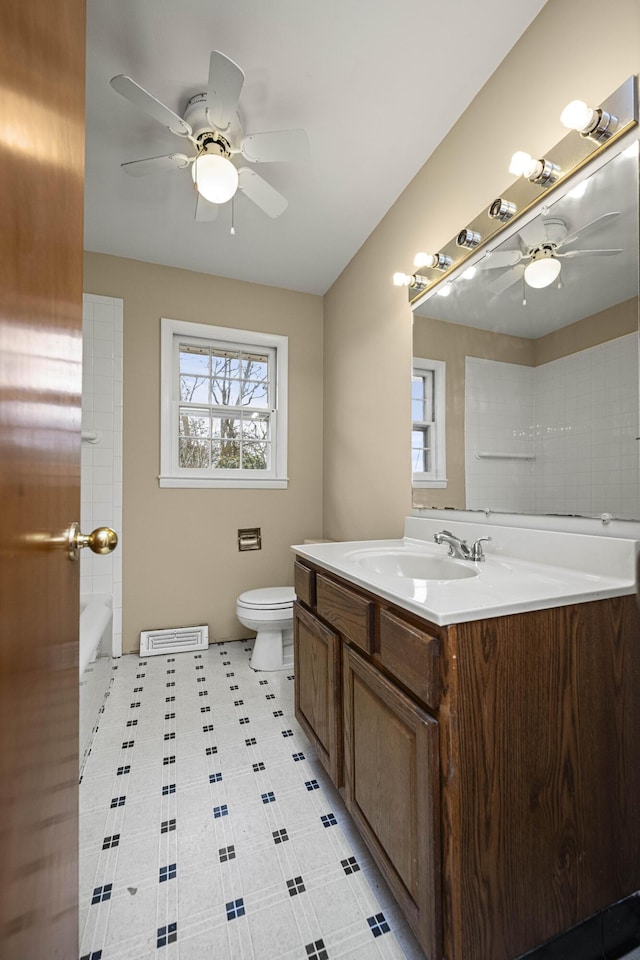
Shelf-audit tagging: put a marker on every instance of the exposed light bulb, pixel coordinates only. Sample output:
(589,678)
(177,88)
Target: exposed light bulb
(523,165)
(470,273)
(425,260)
(409,280)
(577,116)
(215,177)
(542,272)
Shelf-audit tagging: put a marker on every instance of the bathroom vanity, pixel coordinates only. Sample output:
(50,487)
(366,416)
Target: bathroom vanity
(488,749)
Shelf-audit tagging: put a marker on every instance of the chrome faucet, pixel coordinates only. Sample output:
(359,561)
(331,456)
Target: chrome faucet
(460,549)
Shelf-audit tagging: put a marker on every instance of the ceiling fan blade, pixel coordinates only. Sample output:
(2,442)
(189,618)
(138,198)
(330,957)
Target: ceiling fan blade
(590,253)
(506,280)
(501,258)
(140,168)
(589,227)
(205,211)
(275,146)
(262,193)
(139,97)
(223,90)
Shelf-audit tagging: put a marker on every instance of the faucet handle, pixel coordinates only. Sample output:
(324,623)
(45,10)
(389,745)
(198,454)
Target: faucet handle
(477,553)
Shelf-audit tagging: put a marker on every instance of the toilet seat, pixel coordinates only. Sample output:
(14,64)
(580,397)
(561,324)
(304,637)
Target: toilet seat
(268,598)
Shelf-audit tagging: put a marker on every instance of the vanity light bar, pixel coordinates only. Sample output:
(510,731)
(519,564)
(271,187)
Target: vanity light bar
(468,238)
(411,280)
(436,261)
(502,210)
(597,124)
(598,128)
(543,172)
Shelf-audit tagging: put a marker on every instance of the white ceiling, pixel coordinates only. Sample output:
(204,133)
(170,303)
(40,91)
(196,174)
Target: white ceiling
(376,85)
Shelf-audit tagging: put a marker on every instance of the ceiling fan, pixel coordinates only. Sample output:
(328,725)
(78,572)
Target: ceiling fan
(212,127)
(538,259)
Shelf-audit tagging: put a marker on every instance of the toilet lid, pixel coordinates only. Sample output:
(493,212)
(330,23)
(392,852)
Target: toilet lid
(276,598)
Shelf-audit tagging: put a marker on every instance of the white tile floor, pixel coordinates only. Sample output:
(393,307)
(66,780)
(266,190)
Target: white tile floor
(209,831)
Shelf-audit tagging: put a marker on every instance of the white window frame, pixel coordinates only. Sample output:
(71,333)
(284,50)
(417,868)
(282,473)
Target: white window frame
(437,477)
(171,475)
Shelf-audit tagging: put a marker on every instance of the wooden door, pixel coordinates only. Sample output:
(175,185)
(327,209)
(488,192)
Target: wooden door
(392,791)
(317,670)
(41,159)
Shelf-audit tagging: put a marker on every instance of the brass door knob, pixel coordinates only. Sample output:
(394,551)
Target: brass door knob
(102,540)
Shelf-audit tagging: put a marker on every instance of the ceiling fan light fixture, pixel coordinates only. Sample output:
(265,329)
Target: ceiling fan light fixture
(542,271)
(215,177)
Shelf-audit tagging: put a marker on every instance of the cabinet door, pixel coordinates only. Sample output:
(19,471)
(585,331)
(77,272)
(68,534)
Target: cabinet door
(392,791)
(317,685)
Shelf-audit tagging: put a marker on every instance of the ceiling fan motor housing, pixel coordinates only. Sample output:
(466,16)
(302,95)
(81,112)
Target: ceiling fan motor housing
(206,135)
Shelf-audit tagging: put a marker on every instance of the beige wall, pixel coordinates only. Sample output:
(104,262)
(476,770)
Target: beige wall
(180,556)
(572,49)
(609,324)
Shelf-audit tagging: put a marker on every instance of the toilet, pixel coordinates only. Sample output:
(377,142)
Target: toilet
(269,612)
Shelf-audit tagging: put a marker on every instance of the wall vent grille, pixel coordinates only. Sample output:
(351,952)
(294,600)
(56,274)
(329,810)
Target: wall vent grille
(176,640)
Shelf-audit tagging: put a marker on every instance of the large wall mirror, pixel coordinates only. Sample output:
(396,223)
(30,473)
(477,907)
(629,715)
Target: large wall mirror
(542,398)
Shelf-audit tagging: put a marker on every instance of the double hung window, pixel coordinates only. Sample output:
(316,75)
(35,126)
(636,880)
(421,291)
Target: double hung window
(428,442)
(224,407)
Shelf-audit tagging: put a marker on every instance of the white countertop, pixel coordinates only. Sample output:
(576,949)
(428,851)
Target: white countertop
(524,570)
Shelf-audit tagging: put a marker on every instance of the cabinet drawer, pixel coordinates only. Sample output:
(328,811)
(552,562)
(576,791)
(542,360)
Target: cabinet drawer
(351,615)
(304,581)
(411,656)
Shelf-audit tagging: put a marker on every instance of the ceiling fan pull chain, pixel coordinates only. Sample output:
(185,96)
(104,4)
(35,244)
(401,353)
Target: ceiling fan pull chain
(233,210)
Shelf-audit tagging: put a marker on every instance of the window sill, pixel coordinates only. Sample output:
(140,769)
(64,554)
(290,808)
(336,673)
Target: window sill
(430,484)
(196,483)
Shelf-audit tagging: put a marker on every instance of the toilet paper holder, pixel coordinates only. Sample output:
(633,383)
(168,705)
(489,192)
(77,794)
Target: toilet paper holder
(249,538)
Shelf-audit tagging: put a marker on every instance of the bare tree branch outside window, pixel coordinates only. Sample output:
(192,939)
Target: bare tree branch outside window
(224,412)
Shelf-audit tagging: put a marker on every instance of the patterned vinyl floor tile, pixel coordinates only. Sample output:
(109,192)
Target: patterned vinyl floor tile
(209,831)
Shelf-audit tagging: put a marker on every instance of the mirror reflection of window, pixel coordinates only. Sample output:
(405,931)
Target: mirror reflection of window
(428,433)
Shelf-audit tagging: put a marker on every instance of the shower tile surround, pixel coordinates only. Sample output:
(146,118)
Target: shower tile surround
(101,462)
(579,427)
(208,829)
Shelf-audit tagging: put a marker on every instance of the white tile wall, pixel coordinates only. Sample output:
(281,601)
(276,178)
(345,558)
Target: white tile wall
(587,423)
(101,474)
(578,414)
(499,404)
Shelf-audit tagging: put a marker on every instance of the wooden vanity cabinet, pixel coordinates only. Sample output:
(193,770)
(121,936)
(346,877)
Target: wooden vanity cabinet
(492,768)
(392,790)
(317,655)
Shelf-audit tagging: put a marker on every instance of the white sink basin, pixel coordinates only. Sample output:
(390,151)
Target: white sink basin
(414,566)
(525,569)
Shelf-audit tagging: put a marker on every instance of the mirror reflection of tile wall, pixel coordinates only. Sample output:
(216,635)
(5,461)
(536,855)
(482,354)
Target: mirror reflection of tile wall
(576,417)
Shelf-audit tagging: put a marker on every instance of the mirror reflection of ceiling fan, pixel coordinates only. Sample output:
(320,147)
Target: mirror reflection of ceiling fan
(212,127)
(538,260)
